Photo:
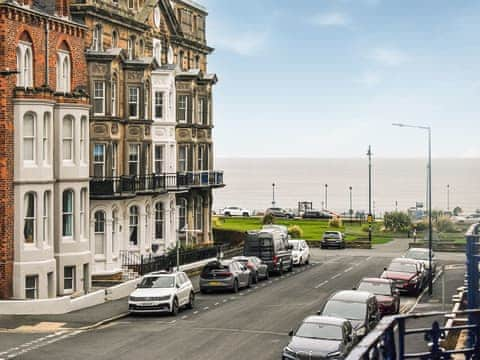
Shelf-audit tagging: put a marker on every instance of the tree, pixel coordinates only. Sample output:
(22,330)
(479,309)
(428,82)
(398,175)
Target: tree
(397,221)
(457,211)
(268,219)
(295,232)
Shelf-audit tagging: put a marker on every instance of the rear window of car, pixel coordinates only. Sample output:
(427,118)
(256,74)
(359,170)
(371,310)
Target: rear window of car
(331,234)
(214,267)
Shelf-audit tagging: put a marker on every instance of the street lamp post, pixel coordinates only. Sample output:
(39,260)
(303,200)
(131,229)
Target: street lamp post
(448,197)
(429,197)
(370,216)
(273,195)
(351,208)
(326,196)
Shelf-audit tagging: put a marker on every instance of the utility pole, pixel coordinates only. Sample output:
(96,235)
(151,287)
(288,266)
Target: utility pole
(326,196)
(273,195)
(370,217)
(351,208)
(448,197)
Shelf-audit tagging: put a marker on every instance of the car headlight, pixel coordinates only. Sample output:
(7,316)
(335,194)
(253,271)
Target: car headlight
(361,331)
(334,355)
(288,351)
(414,280)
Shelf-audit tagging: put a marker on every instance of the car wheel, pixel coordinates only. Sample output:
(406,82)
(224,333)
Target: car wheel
(235,286)
(174,310)
(300,262)
(203,291)
(246,215)
(191,301)
(267,275)
(307,261)
(227,214)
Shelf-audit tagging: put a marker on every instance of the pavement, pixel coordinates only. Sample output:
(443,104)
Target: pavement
(252,324)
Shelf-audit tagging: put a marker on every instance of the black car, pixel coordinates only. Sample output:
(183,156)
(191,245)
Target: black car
(320,337)
(316,214)
(333,239)
(359,307)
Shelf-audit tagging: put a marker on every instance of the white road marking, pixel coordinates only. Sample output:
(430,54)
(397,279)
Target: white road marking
(216,304)
(347,270)
(205,308)
(195,312)
(225,300)
(184,317)
(336,276)
(321,284)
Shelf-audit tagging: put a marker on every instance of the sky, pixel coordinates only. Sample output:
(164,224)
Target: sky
(325,78)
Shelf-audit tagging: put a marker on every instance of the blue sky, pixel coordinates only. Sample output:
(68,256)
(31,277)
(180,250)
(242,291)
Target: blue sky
(324,78)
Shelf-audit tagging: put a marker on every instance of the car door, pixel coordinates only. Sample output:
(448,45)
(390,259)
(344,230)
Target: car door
(244,273)
(182,290)
(187,287)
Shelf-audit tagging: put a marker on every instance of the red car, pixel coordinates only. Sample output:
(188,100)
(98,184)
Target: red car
(388,297)
(408,275)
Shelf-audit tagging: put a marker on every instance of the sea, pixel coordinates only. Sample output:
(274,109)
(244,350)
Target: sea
(397,183)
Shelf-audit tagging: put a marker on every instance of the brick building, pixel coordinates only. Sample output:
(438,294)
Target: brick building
(45,246)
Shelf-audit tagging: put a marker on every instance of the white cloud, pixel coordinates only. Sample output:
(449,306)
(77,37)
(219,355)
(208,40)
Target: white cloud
(370,78)
(248,43)
(331,19)
(389,56)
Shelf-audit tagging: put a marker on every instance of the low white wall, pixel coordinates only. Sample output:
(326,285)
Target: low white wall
(92,299)
(35,307)
(122,290)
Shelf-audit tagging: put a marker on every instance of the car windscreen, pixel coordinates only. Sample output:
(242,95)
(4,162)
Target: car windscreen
(402,267)
(319,331)
(332,235)
(157,282)
(295,245)
(376,288)
(345,309)
(417,255)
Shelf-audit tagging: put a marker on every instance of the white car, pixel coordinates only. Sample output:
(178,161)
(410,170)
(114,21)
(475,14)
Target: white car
(300,252)
(162,292)
(235,211)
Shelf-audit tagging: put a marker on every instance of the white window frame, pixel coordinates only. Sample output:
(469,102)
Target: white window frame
(183,100)
(114,231)
(30,217)
(83,212)
(68,139)
(97,39)
(133,223)
(99,232)
(30,138)
(96,162)
(63,71)
(159,103)
(99,95)
(160,220)
(198,213)
(83,139)
(159,162)
(183,161)
(69,290)
(34,288)
(113,110)
(134,99)
(46,217)
(182,213)
(45,138)
(70,214)
(137,161)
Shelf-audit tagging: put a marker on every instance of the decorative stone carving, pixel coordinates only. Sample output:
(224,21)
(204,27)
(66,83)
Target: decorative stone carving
(100,129)
(147,130)
(183,134)
(114,128)
(201,134)
(183,86)
(134,75)
(99,68)
(134,131)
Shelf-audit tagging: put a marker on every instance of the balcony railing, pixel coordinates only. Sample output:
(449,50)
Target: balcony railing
(127,186)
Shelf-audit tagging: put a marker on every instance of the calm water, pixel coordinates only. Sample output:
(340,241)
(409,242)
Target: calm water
(249,183)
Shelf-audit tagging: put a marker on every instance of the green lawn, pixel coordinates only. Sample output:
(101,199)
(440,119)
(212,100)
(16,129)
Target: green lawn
(312,229)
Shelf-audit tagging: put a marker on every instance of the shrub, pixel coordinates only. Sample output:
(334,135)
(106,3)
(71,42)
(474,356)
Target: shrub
(268,219)
(457,211)
(420,226)
(335,222)
(217,222)
(397,221)
(295,231)
(445,225)
(365,227)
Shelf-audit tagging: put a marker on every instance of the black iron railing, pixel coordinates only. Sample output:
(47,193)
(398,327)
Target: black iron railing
(142,264)
(131,185)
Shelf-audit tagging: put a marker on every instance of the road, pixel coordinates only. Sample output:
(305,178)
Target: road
(250,325)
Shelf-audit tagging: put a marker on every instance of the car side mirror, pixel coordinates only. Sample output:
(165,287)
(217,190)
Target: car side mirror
(354,288)
(384,269)
(290,333)
(177,286)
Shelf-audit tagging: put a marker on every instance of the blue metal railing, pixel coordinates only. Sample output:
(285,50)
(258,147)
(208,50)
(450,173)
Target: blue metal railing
(389,339)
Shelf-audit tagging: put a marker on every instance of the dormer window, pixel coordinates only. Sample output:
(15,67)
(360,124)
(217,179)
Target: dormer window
(25,61)
(63,69)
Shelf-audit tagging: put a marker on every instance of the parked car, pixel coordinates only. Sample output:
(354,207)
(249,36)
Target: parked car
(162,292)
(359,307)
(271,246)
(316,214)
(388,297)
(224,275)
(257,267)
(320,337)
(333,239)
(409,275)
(300,252)
(235,211)
(421,254)
(279,212)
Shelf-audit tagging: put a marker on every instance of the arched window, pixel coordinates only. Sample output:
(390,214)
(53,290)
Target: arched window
(159,220)
(114,39)
(99,232)
(146,97)
(182,213)
(157,17)
(141,47)
(29,219)
(63,68)
(114,95)
(131,48)
(45,138)
(199,213)
(29,137)
(97,40)
(67,138)
(67,213)
(133,226)
(180,59)
(157,51)
(24,61)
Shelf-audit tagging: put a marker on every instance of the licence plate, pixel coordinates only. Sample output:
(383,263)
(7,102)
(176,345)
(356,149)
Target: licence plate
(214,283)
(145,304)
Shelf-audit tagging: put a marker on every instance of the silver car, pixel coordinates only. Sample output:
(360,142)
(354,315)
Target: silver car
(224,275)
